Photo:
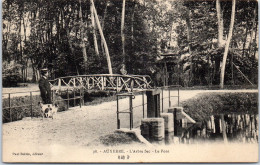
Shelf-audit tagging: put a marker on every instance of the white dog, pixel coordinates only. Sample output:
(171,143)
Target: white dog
(48,110)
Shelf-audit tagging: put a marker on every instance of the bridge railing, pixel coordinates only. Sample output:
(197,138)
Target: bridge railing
(17,105)
(114,82)
(164,97)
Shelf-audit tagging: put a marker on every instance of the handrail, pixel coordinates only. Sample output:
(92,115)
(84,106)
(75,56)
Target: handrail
(132,95)
(107,75)
(31,104)
(116,82)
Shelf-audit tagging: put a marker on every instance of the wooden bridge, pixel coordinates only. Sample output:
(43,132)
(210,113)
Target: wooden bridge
(114,82)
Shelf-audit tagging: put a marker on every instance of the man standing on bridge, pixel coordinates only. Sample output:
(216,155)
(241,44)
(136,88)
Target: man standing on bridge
(44,86)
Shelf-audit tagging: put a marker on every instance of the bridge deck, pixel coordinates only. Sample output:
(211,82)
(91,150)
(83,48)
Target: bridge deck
(114,82)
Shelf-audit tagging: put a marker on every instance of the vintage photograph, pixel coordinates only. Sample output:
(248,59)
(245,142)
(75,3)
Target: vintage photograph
(130,81)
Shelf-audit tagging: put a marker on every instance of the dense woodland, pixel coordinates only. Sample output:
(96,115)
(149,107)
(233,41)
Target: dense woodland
(214,42)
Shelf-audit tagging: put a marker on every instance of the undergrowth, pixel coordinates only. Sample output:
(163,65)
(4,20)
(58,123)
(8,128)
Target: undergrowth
(115,139)
(22,106)
(209,104)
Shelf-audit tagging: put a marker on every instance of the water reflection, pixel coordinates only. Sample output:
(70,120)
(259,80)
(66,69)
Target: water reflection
(227,128)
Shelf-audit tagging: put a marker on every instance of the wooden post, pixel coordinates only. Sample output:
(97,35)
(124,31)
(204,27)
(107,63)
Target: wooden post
(80,98)
(83,95)
(143,102)
(10,110)
(31,104)
(132,84)
(102,81)
(117,89)
(87,81)
(162,100)
(74,82)
(68,100)
(178,96)
(59,85)
(74,100)
(105,81)
(131,111)
(169,96)
(117,113)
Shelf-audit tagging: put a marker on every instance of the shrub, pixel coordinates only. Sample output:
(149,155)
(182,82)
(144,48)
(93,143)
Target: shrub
(11,74)
(215,103)
(21,107)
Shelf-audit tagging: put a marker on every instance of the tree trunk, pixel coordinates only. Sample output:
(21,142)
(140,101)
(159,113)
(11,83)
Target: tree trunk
(84,51)
(103,38)
(252,34)
(122,31)
(94,31)
(102,27)
(245,39)
(21,44)
(256,40)
(222,75)
(220,24)
(189,44)
(132,26)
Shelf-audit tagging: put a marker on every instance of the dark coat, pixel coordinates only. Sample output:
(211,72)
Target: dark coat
(45,89)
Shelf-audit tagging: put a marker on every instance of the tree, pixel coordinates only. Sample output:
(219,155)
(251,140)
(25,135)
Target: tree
(94,30)
(221,42)
(103,38)
(227,44)
(122,31)
(84,51)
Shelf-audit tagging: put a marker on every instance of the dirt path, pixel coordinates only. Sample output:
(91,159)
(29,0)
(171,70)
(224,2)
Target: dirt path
(78,126)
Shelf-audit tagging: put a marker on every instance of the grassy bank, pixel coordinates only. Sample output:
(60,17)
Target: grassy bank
(209,104)
(24,106)
(217,87)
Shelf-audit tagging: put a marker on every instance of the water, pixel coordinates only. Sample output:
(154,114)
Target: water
(242,128)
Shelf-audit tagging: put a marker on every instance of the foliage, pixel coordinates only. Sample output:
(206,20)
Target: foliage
(22,107)
(115,139)
(11,74)
(49,33)
(210,104)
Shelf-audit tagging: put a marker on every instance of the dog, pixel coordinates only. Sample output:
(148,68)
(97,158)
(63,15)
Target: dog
(48,110)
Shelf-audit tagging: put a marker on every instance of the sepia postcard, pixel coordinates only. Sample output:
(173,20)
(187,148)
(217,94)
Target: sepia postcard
(130,81)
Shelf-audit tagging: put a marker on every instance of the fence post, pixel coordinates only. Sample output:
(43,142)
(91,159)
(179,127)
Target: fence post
(74,100)
(178,95)
(59,84)
(143,102)
(169,96)
(74,82)
(80,97)
(87,82)
(131,111)
(83,95)
(132,85)
(162,99)
(10,110)
(102,81)
(31,104)
(117,84)
(68,101)
(117,113)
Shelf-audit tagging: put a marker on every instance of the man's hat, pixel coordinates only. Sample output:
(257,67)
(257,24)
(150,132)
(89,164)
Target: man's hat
(44,70)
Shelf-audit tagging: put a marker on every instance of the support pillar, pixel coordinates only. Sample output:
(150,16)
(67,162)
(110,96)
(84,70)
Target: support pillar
(153,103)
(152,129)
(168,122)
